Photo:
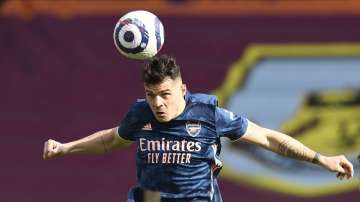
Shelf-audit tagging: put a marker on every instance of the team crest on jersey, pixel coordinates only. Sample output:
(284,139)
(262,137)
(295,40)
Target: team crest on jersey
(193,129)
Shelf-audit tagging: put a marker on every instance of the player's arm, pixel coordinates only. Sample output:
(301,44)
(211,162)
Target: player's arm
(290,147)
(100,142)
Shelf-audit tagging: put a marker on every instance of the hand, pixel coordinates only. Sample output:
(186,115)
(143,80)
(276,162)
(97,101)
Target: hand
(338,164)
(53,149)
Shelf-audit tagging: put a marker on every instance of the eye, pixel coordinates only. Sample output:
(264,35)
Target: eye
(165,95)
(150,95)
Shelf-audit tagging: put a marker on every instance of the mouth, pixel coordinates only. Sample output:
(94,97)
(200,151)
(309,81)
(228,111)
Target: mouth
(160,113)
(161,116)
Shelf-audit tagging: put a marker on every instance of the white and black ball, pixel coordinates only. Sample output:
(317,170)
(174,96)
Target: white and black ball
(139,35)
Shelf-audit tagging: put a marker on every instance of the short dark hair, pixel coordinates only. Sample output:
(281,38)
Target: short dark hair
(158,68)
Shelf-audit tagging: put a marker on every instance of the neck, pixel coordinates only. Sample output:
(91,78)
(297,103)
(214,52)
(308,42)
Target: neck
(181,107)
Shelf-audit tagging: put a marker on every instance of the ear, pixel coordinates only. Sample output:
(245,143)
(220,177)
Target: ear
(183,89)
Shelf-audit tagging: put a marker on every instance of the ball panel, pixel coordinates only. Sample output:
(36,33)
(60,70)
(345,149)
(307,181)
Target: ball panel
(136,37)
(129,36)
(158,33)
(139,35)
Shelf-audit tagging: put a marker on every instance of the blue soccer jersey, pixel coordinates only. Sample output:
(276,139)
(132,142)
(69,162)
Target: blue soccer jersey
(179,158)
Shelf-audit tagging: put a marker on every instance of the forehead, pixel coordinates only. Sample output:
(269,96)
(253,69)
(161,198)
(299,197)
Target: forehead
(167,84)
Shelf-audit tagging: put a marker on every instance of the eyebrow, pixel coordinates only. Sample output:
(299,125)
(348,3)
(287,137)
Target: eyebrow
(163,91)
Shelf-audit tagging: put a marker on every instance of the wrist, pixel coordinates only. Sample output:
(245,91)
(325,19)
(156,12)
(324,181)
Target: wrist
(317,158)
(66,148)
(321,160)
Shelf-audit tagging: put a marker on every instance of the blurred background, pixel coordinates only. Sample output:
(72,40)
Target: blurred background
(289,65)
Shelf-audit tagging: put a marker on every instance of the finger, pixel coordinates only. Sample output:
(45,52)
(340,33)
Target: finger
(340,169)
(50,149)
(50,145)
(341,176)
(341,172)
(55,147)
(348,172)
(45,149)
(349,167)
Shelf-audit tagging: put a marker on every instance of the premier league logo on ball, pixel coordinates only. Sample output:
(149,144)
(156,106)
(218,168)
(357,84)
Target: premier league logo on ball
(139,35)
(132,36)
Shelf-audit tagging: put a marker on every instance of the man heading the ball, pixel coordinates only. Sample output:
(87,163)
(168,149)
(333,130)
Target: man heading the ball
(178,139)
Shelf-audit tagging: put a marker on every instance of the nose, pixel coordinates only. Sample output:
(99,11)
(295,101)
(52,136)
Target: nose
(158,102)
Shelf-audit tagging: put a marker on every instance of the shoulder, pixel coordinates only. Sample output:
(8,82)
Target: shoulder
(203,98)
(200,107)
(140,104)
(139,110)
(138,113)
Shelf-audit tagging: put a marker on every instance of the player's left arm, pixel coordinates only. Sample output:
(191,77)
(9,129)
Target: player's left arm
(290,147)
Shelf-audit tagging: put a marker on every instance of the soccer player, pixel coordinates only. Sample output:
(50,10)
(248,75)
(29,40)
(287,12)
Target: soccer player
(178,139)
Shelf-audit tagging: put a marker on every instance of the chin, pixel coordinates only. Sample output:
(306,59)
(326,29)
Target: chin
(163,119)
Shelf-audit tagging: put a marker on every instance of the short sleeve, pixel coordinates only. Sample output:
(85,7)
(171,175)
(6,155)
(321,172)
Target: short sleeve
(229,124)
(127,126)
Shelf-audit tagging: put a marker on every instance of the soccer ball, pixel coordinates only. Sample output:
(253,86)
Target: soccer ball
(139,35)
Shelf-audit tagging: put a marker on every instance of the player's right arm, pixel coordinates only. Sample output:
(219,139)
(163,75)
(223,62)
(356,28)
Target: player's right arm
(100,142)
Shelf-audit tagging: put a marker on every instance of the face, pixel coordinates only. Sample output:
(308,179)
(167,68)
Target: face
(166,99)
